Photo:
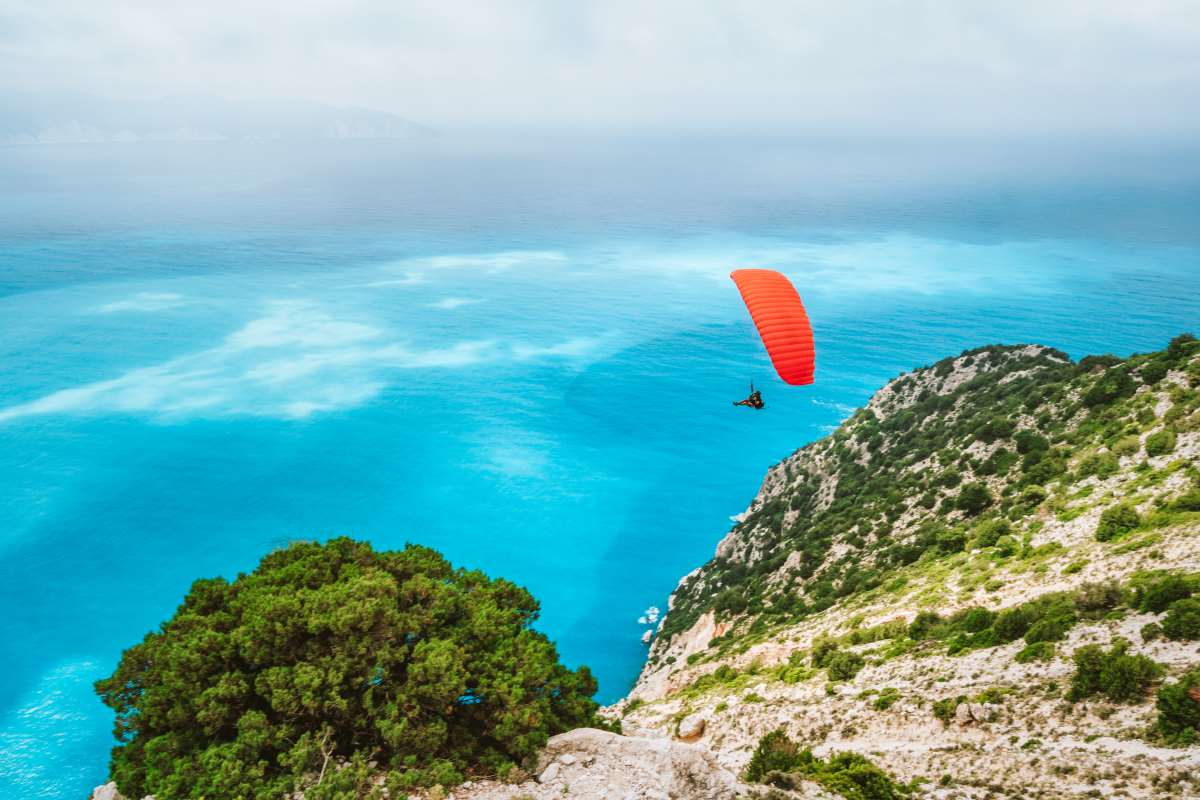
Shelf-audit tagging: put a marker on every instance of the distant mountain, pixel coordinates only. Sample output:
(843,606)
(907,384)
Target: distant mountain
(74,117)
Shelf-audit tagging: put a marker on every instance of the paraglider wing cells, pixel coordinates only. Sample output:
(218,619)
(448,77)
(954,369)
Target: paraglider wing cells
(781,320)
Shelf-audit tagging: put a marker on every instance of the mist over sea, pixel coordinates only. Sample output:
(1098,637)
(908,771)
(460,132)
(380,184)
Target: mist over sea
(521,354)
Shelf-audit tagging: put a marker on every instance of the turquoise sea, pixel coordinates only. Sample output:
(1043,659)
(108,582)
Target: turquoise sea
(521,354)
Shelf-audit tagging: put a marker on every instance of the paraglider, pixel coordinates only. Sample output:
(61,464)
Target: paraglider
(782,323)
(754,400)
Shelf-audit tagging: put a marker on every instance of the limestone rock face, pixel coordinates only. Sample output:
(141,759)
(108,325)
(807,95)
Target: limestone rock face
(591,764)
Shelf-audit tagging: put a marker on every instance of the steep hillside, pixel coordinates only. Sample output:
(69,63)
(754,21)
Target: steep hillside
(918,585)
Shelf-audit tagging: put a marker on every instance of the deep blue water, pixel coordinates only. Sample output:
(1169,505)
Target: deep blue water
(521,357)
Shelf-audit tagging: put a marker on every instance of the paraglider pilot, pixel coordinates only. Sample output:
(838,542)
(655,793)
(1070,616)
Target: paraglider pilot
(754,400)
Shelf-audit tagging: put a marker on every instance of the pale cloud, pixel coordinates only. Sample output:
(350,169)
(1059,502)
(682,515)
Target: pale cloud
(874,68)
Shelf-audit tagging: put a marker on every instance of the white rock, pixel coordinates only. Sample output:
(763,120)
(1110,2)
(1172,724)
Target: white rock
(566,759)
(106,792)
(631,766)
(692,726)
(967,713)
(548,774)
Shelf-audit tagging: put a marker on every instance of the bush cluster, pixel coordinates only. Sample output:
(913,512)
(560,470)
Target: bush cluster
(780,762)
(1178,706)
(331,652)
(1183,620)
(1120,677)
(1117,520)
(840,665)
(1043,619)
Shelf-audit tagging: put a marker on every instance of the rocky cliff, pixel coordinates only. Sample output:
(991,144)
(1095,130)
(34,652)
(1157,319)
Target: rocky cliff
(918,586)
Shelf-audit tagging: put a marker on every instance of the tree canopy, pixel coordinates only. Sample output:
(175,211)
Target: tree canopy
(334,651)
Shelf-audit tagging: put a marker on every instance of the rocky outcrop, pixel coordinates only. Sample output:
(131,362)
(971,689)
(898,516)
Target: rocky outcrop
(109,792)
(596,765)
(855,535)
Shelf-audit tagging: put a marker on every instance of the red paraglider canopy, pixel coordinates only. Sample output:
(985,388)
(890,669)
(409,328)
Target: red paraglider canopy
(781,320)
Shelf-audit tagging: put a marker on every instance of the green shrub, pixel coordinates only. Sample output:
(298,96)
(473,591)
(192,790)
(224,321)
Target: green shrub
(1052,627)
(1183,620)
(337,650)
(886,699)
(855,777)
(988,532)
(1153,372)
(1102,465)
(951,540)
(1117,675)
(1126,446)
(1160,443)
(1151,631)
(1117,520)
(944,709)
(978,619)
(1012,623)
(1115,383)
(1038,651)
(823,647)
(1075,566)
(1157,591)
(780,762)
(1007,546)
(775,752)
(1031,442)
(1095,597)
(1179,709)
(973,498)
(843,665)
(993,429)
(1188,501)
(923,625)
(1048,630)
(1180,348)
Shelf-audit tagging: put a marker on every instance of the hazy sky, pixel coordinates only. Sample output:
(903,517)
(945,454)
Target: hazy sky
(994,66)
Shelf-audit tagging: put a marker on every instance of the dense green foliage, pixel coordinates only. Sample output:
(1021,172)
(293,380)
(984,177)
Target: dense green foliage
(1156,591)
(1183,620)
(1117,520)
(843,665)
(1120,677)
(335,651)
(913,484)
(779,761)
(1043,619)
(1179,709)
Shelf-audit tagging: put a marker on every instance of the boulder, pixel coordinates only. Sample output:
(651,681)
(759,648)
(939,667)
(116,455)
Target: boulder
(692,726)
(969,713)
(109,792)
(595,764)
(106,792)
